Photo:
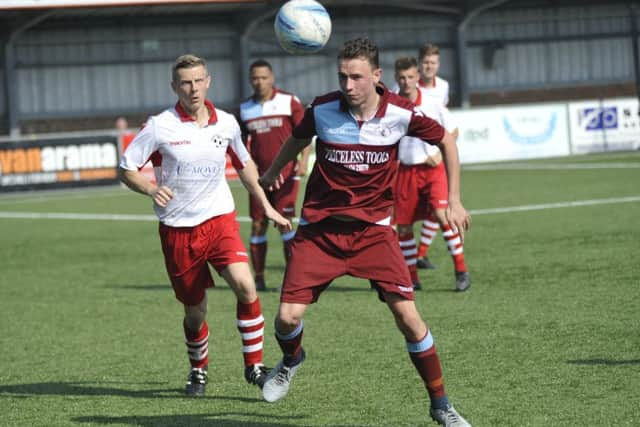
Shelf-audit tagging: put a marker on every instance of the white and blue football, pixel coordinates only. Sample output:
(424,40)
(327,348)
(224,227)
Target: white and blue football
(302,26)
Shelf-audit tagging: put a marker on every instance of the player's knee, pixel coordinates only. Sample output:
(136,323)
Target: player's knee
(258,228)
(287,321)
(404,229)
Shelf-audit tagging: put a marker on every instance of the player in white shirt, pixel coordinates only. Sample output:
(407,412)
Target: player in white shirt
(433,86)
(421,190)
(187,145)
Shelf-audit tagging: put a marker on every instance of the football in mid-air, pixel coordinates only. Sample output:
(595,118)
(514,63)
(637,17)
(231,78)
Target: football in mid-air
(302,26)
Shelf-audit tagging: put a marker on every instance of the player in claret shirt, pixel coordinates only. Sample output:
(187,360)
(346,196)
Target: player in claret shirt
(267,119)
(188,145)
(345,222)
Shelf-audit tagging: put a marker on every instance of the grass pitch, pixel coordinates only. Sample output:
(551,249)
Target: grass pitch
(547,335)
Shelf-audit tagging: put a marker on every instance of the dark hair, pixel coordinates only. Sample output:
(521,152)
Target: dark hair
(428,49)
(405,62)
(360,48)
(260,63)
(186,61)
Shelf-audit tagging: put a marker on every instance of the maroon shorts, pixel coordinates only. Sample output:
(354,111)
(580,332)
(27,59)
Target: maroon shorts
(419,190)
(283,200)
(187,250)
(328,249)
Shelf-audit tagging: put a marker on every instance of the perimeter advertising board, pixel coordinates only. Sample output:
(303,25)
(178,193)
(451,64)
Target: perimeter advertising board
(58,163)
(512,133)
(605,125)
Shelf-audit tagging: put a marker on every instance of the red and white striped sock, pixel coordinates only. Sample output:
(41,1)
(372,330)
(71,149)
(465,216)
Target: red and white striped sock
(251,326)
(454,243)
(197,346)
(408,247)
(427,233)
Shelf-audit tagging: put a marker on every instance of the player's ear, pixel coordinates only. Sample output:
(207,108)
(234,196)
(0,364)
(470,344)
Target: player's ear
(377,75)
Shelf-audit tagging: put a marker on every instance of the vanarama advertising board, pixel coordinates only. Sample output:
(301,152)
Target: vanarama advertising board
(57,163)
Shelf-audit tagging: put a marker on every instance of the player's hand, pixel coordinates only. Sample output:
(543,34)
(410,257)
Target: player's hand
(434,160)
(281,222)
(301,168)
(161,195)
(458,218)
(271,183)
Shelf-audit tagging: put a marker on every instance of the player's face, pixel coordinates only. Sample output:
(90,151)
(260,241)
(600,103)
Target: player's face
(407,81)
(358,80)
(191,86)
(262,82)
(429,67)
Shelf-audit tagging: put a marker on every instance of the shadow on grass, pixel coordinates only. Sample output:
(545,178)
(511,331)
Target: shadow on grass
(88,389)
(605,362)
(201,420)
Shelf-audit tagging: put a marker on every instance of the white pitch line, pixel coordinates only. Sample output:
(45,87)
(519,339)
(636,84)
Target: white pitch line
(544,206)
(559,166)
(118,217)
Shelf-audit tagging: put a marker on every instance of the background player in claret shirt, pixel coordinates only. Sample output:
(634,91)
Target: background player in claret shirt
(421,185)
(345,222)
(193,202)
(267,119)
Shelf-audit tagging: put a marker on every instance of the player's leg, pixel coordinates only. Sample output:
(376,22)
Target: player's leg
(190,277)
(249,320)
(284,201)
(408,247)
(456,250)
(258,249)
(425,358)
(289,330)
(428,231)
(196,332)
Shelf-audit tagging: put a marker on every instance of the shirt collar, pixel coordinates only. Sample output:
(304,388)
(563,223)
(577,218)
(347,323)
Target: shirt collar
(185,117)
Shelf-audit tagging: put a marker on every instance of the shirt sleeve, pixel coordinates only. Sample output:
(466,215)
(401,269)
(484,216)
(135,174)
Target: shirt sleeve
(447,120)
(236,149)
(140,150)
(425,128)
(307,127)
(297,111)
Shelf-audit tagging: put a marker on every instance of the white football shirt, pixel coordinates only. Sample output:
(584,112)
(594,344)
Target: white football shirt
(190,160)
(412,152)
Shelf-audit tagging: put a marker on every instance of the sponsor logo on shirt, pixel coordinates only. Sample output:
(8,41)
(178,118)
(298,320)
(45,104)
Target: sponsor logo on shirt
(264,125)
(185,142)
(358,160)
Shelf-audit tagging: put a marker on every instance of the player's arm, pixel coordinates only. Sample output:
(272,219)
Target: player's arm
(139,183)
(303,161)
(457,216)
(134,157)
(288,152)
(249,177)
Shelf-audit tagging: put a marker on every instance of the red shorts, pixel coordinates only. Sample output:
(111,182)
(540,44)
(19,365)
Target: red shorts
(283,200)
(419,190)
(328,249)
(188,249)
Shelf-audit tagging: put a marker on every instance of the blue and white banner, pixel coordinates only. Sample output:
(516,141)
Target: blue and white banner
(605,125)
(512,132)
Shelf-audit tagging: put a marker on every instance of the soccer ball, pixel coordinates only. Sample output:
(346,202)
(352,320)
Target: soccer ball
(302,26)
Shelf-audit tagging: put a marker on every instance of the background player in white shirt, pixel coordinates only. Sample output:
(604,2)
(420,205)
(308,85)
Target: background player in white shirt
(421,186)
(188,145)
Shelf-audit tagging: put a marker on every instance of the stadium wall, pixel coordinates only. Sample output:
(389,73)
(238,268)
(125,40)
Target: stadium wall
(83,76)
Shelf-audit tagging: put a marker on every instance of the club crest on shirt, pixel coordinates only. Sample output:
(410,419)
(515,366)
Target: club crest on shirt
(219,141)
(384,131)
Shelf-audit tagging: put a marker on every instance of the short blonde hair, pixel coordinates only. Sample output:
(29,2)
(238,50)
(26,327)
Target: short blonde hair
(186,61)
(428,49)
